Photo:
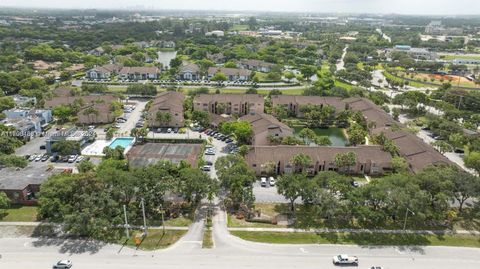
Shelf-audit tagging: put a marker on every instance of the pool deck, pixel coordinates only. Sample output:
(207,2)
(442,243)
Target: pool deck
(96,148)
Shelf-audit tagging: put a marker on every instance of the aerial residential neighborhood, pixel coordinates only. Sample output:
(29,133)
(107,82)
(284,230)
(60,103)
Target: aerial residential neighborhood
(299,134)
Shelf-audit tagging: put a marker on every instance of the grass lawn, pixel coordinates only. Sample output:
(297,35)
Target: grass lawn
(178,222)
(344,85)
(453,57)
(361,239)
(207,239)
(20,213)
(117,88)
(239,27)
(156,239)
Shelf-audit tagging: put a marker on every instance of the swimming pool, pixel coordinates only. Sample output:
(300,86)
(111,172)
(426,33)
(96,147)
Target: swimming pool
(124,142)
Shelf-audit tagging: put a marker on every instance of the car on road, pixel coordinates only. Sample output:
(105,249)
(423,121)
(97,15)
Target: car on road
(344,259)
(63,264)
(271,181)
(263,181)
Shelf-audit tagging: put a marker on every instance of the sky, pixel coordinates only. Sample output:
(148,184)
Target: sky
(427,7)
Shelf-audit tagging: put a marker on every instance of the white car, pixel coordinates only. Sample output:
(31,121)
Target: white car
(72,158)
(344,259)
(271,180)
(63,264)
(263,181)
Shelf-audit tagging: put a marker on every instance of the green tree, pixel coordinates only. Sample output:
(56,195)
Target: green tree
(6,103)
(344,161)
(115,154)
(237,179)
(63,112)
(85,166)
(4,202)
(163,118)
(307,134)
(301,162)
(442,146)
(291,187)
(66,147)
(399,165)
(220,77)
(201,117)
(280,112)
(195,185)
(472,161)
(465,186)
(356,134)
(323,141)
(242,130)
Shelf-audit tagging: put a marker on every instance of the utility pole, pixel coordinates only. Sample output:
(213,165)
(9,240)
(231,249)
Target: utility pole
(163,220)
(144,218)
(406,216)
(126,221)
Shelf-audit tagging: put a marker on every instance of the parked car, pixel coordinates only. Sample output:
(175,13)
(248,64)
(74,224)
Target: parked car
(45,157)
(63,264)
(375,267)
(209,152)
(271,180)
(27,156)
(43,147)
(72,158)
(38,158)
(80,158)
(208,163)
(344,259)
(54,158)
(355,184)
(206,168)
(33,157)
(263,181)
(169,130)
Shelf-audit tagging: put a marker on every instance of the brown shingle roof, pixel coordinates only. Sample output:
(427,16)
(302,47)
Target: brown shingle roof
(171,102)
(103,115)
(365,154)
(139,70)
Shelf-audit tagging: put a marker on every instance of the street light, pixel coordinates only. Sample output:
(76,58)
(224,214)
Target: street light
(406,216)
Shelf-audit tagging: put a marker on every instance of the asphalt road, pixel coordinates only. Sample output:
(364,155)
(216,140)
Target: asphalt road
(229,252)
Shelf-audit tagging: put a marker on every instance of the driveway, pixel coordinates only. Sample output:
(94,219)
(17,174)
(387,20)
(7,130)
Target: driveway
(132,118)
(32,147)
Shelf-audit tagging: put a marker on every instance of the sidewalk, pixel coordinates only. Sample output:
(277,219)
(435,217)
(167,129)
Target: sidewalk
(178,228)
(294,230)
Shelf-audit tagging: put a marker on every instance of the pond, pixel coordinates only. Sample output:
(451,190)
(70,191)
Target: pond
(336,135)
(164,57)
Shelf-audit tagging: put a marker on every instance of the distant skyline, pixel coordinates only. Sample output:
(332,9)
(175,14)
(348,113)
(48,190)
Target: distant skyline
(414,7)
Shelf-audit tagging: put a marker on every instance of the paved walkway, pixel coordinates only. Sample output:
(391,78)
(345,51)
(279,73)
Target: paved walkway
(34,224)
(382,231)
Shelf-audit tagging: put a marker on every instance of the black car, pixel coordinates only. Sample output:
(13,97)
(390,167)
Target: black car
(228,140)
(42,147)
(208,163)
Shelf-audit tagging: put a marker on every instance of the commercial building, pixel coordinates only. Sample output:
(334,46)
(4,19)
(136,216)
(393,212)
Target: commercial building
(416,53)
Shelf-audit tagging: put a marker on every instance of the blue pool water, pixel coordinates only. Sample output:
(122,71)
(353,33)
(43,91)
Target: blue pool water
(123,142)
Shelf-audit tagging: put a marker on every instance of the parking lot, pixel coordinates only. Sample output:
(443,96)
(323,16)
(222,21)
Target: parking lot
(267,194)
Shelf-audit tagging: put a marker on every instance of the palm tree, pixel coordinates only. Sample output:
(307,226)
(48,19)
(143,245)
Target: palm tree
(301,161)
